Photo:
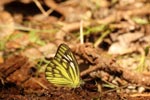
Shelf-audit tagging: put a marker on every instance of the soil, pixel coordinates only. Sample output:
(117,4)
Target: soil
(113,57)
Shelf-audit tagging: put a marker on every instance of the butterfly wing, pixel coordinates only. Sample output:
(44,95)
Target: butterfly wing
(63,68)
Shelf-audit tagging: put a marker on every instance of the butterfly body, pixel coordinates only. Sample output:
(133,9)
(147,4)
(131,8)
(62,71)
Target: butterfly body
(63,69)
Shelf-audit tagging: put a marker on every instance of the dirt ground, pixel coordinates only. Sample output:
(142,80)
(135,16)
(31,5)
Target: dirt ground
(109,38)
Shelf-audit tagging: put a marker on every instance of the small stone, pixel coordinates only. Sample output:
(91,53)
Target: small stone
(131,87)
(141,89)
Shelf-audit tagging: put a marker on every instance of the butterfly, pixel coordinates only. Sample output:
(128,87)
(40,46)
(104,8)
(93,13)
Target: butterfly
(63,69)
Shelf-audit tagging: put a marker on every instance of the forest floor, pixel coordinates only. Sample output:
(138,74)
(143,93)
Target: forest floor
(109,38)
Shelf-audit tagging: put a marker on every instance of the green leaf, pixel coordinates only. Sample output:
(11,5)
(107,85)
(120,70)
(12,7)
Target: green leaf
(33,37)
(140,20)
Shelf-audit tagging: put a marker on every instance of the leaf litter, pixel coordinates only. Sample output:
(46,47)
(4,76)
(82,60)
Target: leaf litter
(114,60)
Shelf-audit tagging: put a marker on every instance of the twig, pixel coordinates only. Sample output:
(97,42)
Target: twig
(40,7)
(51,4)
(81,32)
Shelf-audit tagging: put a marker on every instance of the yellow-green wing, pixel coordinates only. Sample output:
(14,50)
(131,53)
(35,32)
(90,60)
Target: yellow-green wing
(63,68)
